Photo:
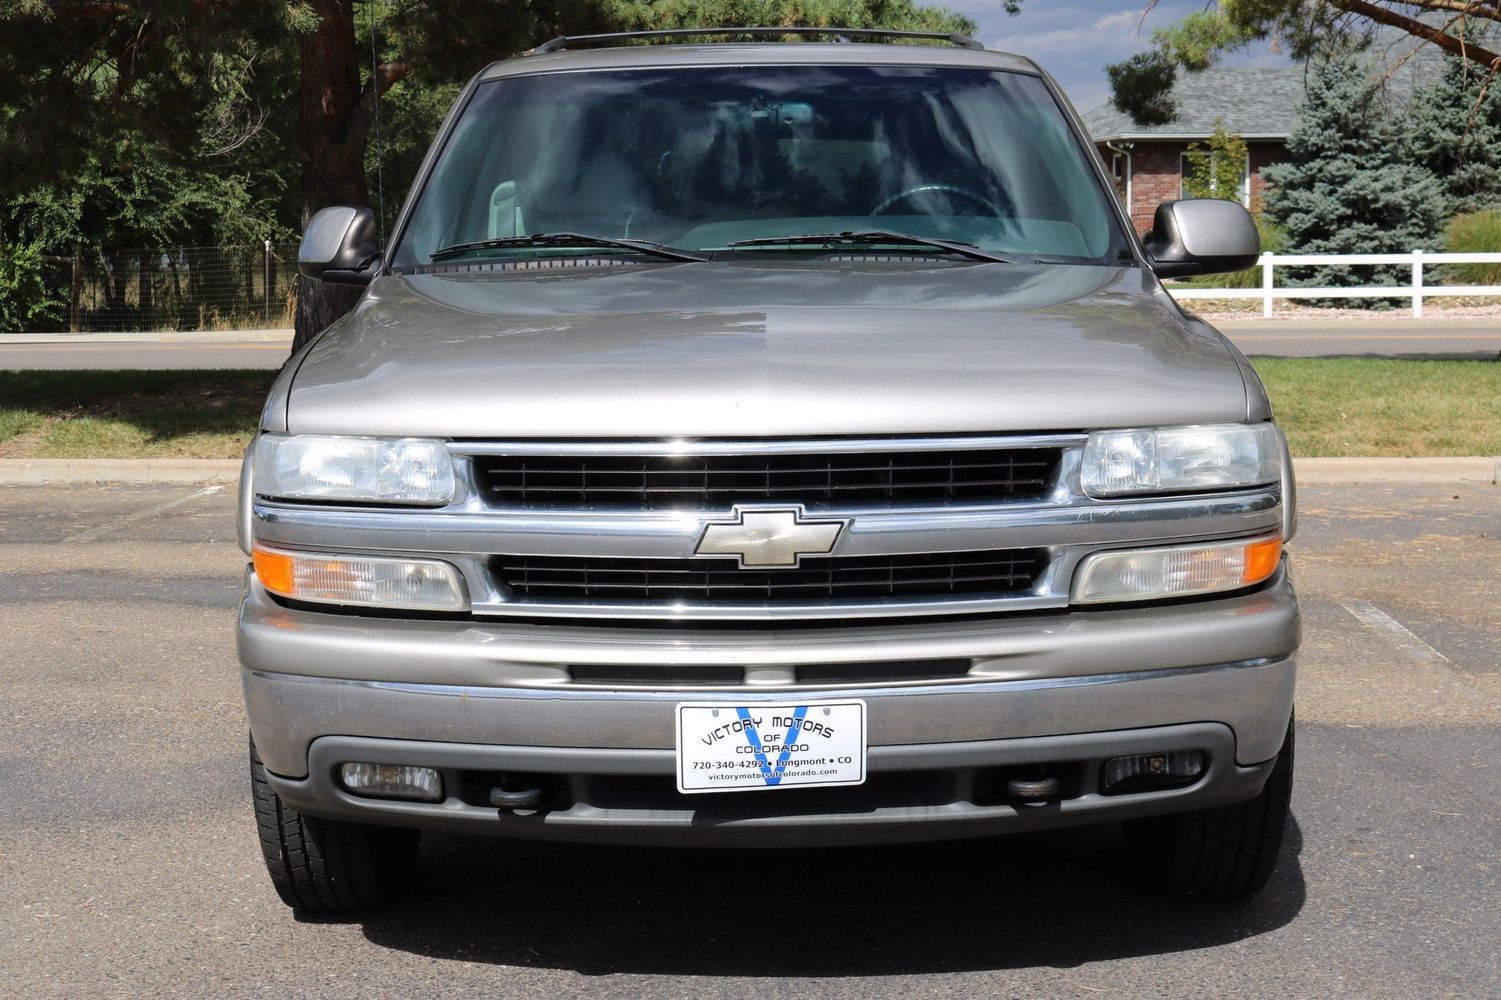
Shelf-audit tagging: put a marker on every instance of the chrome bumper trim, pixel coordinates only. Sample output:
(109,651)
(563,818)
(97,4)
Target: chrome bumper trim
(675,534)
(766,446)
(1067,532)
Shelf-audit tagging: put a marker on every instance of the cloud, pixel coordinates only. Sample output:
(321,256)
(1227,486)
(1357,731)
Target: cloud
(1075,40)
(1111,29)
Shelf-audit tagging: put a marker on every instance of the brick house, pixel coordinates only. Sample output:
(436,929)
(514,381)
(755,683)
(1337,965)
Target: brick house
(1148,161)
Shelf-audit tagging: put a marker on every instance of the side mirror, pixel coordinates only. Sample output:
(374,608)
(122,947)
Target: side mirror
(1202,236)
(339,246)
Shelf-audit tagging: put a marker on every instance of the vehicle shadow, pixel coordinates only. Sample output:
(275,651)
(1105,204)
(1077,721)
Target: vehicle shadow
(1046,900)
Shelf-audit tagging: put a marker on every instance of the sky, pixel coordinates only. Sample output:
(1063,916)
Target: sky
(1075,39)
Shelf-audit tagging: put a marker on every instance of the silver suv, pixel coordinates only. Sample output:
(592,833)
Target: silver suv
(767,443)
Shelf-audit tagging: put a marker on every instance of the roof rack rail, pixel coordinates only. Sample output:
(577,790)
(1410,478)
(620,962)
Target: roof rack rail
(839,34)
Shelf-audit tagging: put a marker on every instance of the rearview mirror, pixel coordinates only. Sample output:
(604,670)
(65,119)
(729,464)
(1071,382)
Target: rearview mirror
(1202,236)
(339,246)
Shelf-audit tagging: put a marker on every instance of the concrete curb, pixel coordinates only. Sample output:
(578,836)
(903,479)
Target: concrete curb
(1310,471)
(22,471)
(1314,471)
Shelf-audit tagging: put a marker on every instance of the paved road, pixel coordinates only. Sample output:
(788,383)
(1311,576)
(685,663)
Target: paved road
(144,355)
(1393,337)
(129,866)
(1385,337)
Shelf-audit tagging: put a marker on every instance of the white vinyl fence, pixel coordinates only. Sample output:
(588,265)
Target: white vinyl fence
(1417,291)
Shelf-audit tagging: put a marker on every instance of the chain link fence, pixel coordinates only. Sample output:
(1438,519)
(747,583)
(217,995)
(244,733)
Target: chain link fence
(173,288)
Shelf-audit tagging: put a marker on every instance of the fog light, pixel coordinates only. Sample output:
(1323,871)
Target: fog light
(393,781)
(1152,770)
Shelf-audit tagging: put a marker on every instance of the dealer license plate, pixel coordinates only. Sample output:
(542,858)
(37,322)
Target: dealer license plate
(727,748)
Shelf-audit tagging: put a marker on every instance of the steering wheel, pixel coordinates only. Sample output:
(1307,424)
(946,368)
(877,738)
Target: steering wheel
(946,189)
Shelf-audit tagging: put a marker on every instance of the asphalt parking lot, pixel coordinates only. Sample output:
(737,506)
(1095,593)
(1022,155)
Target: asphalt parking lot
(129,864)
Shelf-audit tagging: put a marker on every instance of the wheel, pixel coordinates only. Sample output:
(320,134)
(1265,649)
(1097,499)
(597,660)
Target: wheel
(1223,853)
(324,865)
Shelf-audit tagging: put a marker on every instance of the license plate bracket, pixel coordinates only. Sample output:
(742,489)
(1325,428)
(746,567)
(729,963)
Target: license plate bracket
(725,747)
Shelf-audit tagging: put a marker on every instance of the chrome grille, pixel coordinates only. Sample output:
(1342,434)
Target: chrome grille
(707,482)
(927,575)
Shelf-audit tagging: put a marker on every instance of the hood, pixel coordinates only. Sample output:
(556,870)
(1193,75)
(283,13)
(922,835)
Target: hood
(763,349)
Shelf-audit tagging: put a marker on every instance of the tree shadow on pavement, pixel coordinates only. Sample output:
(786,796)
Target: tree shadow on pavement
(1057,900)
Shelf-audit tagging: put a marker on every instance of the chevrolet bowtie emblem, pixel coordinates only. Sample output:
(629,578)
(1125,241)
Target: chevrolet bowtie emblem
(765,537)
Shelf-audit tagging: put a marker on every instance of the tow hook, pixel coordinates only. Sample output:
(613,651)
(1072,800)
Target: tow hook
(1033,791)
(527,798)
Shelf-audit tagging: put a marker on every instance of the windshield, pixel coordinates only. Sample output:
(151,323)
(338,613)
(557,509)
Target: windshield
(700,159)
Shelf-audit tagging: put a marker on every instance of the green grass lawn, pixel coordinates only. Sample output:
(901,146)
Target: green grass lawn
(129,414)
(1382,407)
(1343,406)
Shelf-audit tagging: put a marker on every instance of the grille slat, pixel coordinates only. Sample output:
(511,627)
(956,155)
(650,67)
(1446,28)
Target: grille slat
(935,575)
(716,481)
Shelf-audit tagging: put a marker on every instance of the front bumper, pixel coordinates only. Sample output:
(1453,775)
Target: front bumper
(476,699)
(912,793)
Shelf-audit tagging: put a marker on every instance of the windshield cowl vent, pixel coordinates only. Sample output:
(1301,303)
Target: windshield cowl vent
(561,263)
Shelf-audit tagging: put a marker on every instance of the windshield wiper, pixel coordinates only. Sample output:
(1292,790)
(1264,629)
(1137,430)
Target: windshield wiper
(572,240)
(868,237)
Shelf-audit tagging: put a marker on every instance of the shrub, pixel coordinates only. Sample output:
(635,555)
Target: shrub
(1474,232)
(1216,170)
(25,301)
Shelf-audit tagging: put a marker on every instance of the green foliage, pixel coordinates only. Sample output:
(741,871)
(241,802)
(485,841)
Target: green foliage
(410,115)
(131,130)
(1217,169)
(25,302)
(901,15)
(1194,42)
(1345,187)
(1456,133)
(1142,85)
(1475,232)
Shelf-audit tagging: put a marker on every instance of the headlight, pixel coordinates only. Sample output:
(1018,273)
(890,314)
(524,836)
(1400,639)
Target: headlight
(1175,570)
(368,470)
(367,581)
(1180,459)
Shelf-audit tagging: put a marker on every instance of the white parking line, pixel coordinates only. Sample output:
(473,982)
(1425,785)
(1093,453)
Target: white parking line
(93,534)
(1399,634)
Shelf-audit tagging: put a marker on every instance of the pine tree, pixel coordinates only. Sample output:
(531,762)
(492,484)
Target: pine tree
(1456,133)
(1347,187)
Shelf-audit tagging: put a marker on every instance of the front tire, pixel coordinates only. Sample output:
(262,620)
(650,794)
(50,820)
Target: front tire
(324,865)
(1228,852)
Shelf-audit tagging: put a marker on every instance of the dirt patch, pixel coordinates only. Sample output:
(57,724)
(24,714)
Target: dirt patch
(23,444)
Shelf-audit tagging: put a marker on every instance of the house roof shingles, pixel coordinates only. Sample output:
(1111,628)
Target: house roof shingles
(1258,102)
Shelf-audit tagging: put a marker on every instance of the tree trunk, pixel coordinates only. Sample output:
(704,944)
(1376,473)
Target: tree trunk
(332,126)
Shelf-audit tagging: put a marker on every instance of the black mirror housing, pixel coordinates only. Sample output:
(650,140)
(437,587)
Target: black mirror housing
(1202,236)
(339,246)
